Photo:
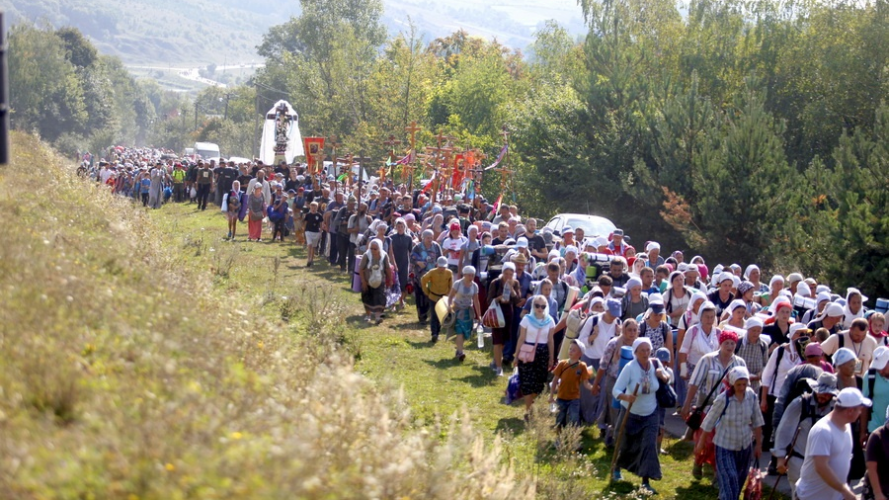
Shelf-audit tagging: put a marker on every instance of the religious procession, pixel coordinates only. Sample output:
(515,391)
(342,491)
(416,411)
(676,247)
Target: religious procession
(619,334)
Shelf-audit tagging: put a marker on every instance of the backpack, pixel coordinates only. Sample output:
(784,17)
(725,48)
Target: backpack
(803,386)
(576,318)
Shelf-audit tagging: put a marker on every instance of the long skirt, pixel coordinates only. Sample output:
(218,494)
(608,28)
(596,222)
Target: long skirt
(608,419)
(254,229)
(532,376)
(374,299)
(732,471)
(590,405)
(638,449)
(708,455)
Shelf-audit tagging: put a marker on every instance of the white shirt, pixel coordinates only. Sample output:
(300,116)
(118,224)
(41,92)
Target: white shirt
(696,343)
(451,248)
(825,440)
(534,335)
(596,348)
(773,374)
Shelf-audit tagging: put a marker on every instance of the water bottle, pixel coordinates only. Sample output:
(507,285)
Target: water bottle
(626,355)
(480,333)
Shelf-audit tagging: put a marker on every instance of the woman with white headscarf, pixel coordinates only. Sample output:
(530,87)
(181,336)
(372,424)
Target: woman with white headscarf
(753,274)
(638,383)
(737,419)
(854,307)
(374,271)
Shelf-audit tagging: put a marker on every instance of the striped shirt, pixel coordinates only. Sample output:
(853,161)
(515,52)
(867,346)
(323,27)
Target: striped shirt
(709,372)
(734,426)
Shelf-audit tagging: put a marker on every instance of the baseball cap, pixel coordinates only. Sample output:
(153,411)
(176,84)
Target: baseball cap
(813,349)
(613,306)
(455,226)
(827,384)
(522,243)
(843,356)
(663,355)
(851,397)
(618,232)
(881,358)
(442,262)
(579,343)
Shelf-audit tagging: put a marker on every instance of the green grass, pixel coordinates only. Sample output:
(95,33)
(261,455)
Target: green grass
(398,354)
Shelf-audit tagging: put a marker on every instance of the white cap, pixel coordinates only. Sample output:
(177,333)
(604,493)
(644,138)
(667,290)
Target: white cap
(522,243)
(881,358)
(795,328)
(652,245)
(851,397)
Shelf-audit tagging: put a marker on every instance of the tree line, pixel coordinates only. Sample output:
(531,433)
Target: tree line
(745,130)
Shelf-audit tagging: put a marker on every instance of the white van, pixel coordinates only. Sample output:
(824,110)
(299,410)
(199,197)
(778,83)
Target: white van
(207,150)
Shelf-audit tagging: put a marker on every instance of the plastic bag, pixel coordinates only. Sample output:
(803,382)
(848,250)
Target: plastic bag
(513,388)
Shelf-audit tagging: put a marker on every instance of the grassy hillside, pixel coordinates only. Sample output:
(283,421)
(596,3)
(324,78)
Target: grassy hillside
(145,357)
(163,32)
(133,368)
(196,33)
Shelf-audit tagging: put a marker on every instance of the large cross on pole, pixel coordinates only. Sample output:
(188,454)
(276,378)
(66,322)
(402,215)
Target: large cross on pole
(334,145)
(408,169)
(362,160)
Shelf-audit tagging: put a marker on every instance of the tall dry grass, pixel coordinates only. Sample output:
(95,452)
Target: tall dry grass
(125,374)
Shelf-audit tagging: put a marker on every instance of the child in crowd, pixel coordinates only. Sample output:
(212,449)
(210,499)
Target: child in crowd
(568,376)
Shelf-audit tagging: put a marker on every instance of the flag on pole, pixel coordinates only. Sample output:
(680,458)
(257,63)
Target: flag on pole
(497,203)
(407,159)
(429,184)
(499,157)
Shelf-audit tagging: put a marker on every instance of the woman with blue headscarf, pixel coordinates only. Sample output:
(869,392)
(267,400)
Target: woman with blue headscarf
(536,350)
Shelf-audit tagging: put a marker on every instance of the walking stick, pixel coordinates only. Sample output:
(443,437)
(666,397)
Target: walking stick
(786,459)
(620,435)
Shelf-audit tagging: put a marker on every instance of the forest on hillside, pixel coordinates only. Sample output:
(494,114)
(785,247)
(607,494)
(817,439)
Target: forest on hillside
(749,131)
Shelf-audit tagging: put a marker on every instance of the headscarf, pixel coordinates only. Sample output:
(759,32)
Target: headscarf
(639,341)
(737,373)
(728,335)
(848,315)
(753,322)
(750,269)
(536,322)
(745,287)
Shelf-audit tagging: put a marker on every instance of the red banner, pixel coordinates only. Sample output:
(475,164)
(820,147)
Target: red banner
(314,147)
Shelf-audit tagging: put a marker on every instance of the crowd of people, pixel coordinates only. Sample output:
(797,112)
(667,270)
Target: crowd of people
(618,338)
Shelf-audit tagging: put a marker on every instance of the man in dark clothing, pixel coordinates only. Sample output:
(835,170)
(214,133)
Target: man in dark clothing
(340,227)
(204,181)
(244,178)
(227,174)
(618,276)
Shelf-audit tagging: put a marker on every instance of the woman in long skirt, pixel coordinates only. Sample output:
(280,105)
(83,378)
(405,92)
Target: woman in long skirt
(374,272)
(638,383)
(536,351)
(255,214)
(402,244)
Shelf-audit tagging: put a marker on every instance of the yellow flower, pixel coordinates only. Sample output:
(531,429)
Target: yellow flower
(237,435)
(170,467)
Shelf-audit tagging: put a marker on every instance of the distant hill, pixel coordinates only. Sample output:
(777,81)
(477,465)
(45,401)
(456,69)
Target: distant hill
(194,33)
